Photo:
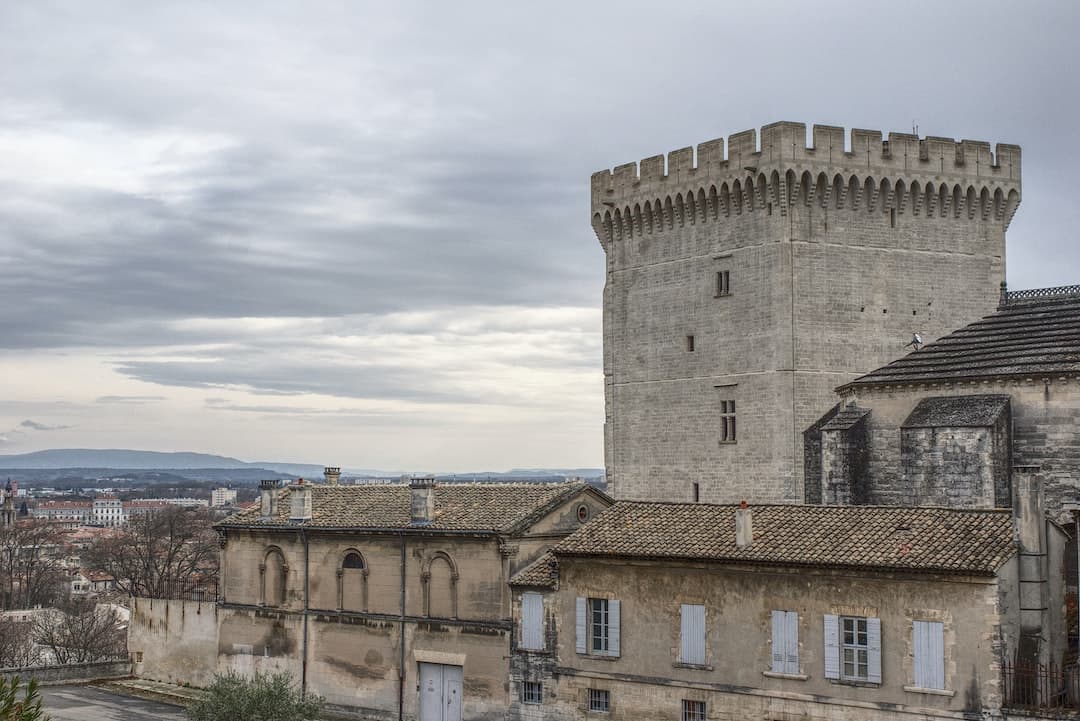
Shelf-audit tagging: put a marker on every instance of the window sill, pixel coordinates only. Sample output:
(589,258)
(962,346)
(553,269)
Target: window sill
(533,651)
(727,443)
(930,691)
(721,295)
(853,682)
(598,657)
(787,676)
(692,666)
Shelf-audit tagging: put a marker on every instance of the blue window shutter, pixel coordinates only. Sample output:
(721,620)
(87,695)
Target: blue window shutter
(532,621)
(929,651)
(580,628)
(779,642)
(873,651)
(613,628)
(832,646)
(692,634)
(791,642)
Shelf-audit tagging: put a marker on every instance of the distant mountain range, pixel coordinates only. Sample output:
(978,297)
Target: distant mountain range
(123,459)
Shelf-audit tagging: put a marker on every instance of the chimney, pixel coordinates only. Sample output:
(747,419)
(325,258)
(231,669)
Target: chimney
(332,474)
(422,495)
(268,498)
(744,526)
(299,501)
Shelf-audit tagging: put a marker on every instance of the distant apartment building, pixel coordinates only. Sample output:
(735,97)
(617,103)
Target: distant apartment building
(108,511)
(72,513)
(222,497)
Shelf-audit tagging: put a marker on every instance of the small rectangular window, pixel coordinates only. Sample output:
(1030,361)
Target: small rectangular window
(727,421)
(690,343)
(532,692)
(723,283)
(598,625)
(697,492)
(599,700)
(693,710)
(854,649)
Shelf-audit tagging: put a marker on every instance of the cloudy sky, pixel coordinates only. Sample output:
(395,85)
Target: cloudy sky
(358,233)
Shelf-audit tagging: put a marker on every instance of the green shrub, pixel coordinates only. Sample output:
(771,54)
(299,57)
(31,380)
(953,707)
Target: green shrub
(12,708)
(265,697)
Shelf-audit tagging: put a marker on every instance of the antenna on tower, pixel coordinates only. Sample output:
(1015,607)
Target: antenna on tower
(914,128)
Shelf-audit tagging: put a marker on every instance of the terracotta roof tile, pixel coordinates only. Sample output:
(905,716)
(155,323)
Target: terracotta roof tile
(541,573)
(499,507)
(885,537)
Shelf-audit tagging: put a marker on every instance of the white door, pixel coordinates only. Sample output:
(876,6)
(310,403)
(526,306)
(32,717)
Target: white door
(440,692)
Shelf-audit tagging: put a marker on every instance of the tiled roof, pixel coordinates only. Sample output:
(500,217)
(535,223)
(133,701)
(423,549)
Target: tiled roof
(957,411)
(1036,336)
(500,507)
(883,537)
(845,418)
(541,573)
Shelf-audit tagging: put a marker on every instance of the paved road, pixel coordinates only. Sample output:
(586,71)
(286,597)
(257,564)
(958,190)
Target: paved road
(82,703)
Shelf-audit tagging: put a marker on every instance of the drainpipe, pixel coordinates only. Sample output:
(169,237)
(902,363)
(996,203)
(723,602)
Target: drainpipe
(307,606)
(401,644)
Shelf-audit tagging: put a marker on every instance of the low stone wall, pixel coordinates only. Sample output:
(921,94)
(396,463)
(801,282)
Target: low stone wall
(71,672)
(173,641)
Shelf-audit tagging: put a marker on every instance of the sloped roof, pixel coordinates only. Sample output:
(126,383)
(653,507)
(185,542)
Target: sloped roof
(845,418)
(492,507)
(872,537)
(1033,333)
(541,573)
(957,411)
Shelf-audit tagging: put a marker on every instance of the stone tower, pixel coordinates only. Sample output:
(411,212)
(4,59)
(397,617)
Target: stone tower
(743,288)
(7,504)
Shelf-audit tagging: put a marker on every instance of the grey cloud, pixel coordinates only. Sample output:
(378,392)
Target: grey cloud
(34,425)
(136,400)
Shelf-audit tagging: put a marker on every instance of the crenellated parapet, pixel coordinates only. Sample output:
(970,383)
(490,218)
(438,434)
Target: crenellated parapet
(931,177)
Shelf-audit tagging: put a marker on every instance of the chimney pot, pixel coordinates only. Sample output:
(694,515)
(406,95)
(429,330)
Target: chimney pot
(268,498)
(744,526)
(422,500)
(332,475)
(300,501)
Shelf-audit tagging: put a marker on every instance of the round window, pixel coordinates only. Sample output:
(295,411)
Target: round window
(582,513)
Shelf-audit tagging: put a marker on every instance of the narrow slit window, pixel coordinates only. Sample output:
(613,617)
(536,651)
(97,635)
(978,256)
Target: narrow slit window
(690,343)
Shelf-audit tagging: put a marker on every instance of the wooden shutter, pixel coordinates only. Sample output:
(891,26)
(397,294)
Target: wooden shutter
(581,636)
(692,634)
(613,628)
(779,642)
(832,646)
(532,621)
(873,651)
(791,641)
(928,643)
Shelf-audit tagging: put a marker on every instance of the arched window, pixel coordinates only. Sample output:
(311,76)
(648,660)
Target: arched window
(440,587)
(273,575)
(352,582)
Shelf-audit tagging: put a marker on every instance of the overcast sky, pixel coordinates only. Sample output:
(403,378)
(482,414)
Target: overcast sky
(358,233)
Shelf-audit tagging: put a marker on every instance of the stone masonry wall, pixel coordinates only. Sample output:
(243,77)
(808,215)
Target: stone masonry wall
(833,259)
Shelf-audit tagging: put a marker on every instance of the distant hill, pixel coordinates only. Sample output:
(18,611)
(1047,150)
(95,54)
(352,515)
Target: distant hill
(143,460)
(103,462)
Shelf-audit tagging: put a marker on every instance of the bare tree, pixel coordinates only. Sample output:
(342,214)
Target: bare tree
(81,632)
(29,574)
(17,649)
(160,554)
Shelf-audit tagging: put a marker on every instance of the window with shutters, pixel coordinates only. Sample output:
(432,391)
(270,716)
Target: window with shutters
(853,648)
(692,634)
(532,621)
(599,700)
(928,651)
(785,642)
(597,627)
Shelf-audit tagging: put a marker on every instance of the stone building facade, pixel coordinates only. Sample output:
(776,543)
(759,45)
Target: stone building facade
(743,287)
(946,425)
(784,613)
(389,600)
